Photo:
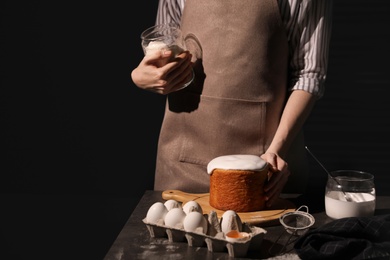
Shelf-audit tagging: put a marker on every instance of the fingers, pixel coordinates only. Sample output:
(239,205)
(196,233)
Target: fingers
(277,179)
(177,73)
(169,77)
(158,58)
(271,159)
(275,186)
(178,65)
(180,77)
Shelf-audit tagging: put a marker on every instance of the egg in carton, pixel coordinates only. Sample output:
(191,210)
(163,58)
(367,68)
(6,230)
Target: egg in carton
(188,223)
(232,234)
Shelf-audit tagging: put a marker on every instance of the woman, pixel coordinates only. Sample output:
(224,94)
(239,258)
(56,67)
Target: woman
(259,68)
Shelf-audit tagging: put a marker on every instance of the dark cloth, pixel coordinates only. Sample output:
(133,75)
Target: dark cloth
(347,238)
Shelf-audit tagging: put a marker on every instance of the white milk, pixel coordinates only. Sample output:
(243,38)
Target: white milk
(159,46)
(336,206)
(155,46)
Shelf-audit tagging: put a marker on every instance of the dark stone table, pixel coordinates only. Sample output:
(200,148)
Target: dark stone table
(135,242)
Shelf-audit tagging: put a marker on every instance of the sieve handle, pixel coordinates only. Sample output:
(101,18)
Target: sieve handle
(303,206)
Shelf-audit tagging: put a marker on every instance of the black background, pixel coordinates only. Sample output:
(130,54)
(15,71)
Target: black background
(78,139)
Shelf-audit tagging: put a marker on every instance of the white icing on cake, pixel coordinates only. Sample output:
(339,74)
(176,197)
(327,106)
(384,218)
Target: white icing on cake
(236,162)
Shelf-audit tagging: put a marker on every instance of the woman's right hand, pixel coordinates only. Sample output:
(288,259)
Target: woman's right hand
(163,79)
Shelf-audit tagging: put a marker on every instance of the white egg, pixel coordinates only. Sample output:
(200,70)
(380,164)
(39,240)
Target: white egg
(230,221)
(192,206)
(170,204)
(174,218)
(156,212)
(195,222)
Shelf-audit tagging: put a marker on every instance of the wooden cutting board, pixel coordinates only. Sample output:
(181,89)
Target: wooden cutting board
(259,218)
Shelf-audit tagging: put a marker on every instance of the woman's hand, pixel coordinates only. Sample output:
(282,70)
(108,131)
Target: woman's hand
(277,177)
(160,73)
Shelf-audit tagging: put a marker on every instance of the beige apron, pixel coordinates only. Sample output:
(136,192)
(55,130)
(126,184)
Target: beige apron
(236,100)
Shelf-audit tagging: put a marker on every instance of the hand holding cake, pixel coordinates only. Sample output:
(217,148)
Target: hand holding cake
(277,178)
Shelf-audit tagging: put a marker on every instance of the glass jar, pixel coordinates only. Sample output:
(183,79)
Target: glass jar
(350,193)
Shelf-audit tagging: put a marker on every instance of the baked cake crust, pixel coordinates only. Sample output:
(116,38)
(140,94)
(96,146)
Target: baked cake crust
(238,190)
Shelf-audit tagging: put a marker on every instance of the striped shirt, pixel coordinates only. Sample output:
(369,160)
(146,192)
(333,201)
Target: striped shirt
(308,27)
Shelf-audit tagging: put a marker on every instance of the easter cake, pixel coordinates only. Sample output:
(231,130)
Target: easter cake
(237,182)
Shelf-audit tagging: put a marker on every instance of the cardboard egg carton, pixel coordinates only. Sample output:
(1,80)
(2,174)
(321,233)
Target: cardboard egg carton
(215,241)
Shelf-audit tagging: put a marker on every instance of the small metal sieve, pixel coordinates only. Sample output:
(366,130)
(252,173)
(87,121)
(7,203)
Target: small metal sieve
(296,223)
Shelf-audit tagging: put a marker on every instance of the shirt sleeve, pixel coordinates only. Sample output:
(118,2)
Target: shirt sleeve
(169,11)
(309,39)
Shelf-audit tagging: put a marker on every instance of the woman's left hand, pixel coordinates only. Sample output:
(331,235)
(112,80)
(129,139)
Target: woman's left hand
(278,174)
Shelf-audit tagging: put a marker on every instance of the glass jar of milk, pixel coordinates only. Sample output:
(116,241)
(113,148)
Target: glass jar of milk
(350,193)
